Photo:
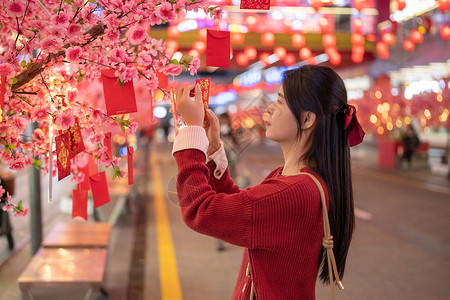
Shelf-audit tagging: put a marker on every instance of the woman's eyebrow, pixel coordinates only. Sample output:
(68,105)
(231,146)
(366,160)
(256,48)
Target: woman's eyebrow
(281,95)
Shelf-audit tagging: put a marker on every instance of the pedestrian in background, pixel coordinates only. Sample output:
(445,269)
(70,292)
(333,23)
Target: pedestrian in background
(278,222)
(411,142)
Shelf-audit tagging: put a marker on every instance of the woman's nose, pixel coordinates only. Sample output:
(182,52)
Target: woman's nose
(269,108)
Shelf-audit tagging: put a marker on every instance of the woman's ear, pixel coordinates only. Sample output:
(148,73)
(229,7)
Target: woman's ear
(308,119)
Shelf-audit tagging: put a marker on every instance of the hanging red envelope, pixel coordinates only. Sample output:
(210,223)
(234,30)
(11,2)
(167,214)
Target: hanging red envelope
(130,151)
(99,189)
(2,91)
(255,4)
(174,110)
(119,99)
(84,185)
(108,144)
(152,106)
(163,80)
(79,204)
(75,139)
(63,155)
(218,48)
(204,86)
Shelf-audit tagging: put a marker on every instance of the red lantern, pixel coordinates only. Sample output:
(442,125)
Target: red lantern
(416,36)
(388,38)
(251,22)
(194,53)
(298,40)
(305,53)
(357,24)
(200,46)
(324,26)
(316,4)
(328,40)
(357,58)
(264,58)
(443,5)
(358,51)
(357,39)
(237,38)
(173,32)
(242,59)
(401,4)
(289,59)
(267,38)
(335,58)
(358,4)
(382,50)
(445,32)
(250,52)
(408,45)
(280,52)
(202,34)
(171,46)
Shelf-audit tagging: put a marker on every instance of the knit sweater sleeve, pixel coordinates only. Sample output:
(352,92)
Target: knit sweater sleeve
(224,184)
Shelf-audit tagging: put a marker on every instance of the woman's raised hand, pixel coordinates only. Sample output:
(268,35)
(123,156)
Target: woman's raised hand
(192,112)
(212,127)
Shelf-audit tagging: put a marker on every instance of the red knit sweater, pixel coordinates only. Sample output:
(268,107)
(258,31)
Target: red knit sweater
(279,222)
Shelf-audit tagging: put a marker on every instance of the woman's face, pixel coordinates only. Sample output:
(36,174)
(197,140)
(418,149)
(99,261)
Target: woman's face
(281,125)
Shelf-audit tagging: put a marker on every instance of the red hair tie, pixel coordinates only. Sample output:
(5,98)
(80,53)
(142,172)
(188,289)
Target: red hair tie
(355,131)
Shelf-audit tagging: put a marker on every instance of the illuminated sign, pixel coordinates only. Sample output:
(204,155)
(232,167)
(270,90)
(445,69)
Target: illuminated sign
(223,98)
(250,77)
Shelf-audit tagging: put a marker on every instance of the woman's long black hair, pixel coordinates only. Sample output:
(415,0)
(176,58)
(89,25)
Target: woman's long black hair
(320,90)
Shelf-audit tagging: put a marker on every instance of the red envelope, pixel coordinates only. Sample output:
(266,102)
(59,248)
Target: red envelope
(79,204)
(218,48)
(130,151)
(255,4)
(163,81)
(99,189)
(152,106)
(174,110)
(63,155)
(107,142)
(75,139)
(84,185)
(2,91)
(119,99)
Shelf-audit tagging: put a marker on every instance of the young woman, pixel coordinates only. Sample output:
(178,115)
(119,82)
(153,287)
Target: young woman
(278,222)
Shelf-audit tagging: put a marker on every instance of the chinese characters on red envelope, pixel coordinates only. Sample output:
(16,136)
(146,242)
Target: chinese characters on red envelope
(63,154)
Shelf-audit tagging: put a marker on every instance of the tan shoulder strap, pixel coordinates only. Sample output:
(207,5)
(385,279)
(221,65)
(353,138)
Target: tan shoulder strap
(328,239)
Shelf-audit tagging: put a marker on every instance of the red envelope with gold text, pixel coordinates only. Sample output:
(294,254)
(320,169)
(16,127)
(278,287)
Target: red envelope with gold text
(107,143)
(255,4)
(217,48)
(130,152)
(204,87)
(63,155)
(99,189)
(2,91)
(119,99)
(79,204)
(75,139)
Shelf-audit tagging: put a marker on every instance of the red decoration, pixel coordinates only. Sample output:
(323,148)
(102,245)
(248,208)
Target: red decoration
(152,106)
(388,38)
(298,40)
(108,144)
(401,4)
(443,5)
(250,52)
(79,204)
(130,151)
(267,38)
(173,32)
(205,84)
(119,99)
(2,91)
(328,40)
(174,110)
(255,4)
(357,25)
(99,189)
(264,58)
(382,50)
(76,144)
(200,46)
(162,80)
(357,54)
(305,53)
(242,59)
(237,38)
(445,32)
(324,25)
(202,34)
(358,4)
(357,39)
(316,4)
(408,45)
(416,36)
(171,46)
(280,52)
(218,50)
(333,55)
(63,154)
(289,59)
(251,22)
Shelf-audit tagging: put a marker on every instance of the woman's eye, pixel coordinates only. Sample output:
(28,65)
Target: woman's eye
(279,102)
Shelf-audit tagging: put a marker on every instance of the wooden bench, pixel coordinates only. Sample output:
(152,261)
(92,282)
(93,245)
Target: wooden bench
(72,267)
(75,235)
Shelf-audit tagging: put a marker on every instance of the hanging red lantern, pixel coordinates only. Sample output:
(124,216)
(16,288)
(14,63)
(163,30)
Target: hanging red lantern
(401,4)
(416,36)
(335,58)
(200,46)
(267,38)
(445,32)
(357,58)
(443,5)
(242,59)
(316,4)
(305,53)
(357,25)
(237,38)
(202,34)
(264,58)
(289,59)
(280,52)
(408,45)
(382,50)
(298,40)
(358,4)
(357,39)
(324,25)
(388,38)
(250,52)
(173,32)
(251,22)
(328,40)
(358,50)
(171,46)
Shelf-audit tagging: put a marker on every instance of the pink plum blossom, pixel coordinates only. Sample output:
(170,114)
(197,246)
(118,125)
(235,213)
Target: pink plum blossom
(73,29)
(194,65)
(8,207)
(174,70)
(22,213)
(15,9)
(61,19)
(155,46)
(73,54)
(19,124)
(2,191)
(17,165)
(165,11)
(40,114)
(144,59)
(155,19)
(137,34)
(179,10)
(39,135)
(65,120)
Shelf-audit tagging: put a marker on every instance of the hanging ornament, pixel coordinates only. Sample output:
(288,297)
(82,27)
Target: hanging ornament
(445,32)
(357,39)
(357,25)
(202,33)
(333,55)
(305,53)
(173,31)
(324,25)
(264,58)
(401,4)
(416,36)
(328,40)
(242,59)
(298,40)
(408,45)
(237,38)
(200,46)
(171,46)
(316,4)
(382,50)
(267,38)
(289,59)
(280,52)
(250,52)
(388,38)
(443,5)
(358,4)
